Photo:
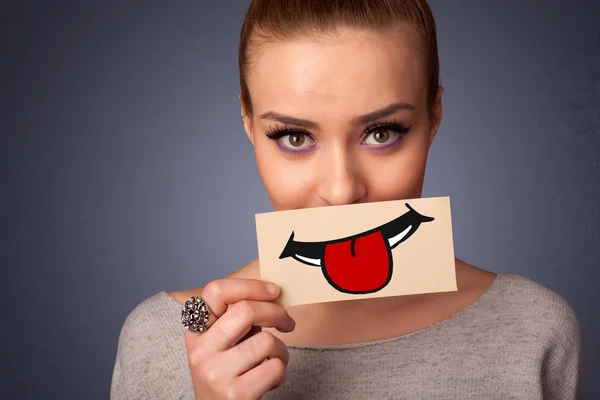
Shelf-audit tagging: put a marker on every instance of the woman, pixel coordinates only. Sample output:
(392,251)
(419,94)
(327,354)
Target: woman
(341,101)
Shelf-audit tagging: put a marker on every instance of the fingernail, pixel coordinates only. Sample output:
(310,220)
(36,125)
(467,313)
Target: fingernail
(271,288)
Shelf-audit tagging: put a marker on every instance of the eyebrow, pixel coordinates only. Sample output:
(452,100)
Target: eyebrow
(360,120)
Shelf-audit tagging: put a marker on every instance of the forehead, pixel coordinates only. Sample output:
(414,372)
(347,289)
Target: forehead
(350,73)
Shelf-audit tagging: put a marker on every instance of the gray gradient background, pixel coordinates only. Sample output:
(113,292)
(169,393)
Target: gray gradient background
(125,170)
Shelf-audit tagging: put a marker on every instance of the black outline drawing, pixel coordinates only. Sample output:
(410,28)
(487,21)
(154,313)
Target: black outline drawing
(306,251)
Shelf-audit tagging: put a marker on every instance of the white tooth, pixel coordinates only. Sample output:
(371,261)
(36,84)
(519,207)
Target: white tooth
(313,261)
(394,240)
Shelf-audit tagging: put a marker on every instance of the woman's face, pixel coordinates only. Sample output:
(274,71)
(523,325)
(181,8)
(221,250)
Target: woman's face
(340,120)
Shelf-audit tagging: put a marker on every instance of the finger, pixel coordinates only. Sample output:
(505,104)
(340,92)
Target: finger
(219,294)
(250,353)
(253,331)
(239,319)
(265,377)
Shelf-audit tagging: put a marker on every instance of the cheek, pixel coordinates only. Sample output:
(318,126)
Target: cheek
(289,184)
(399,176)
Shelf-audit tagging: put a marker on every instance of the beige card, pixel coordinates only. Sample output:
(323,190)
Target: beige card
(358,251)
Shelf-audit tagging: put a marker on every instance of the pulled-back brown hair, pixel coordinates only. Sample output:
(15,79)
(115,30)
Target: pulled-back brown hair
(291,19)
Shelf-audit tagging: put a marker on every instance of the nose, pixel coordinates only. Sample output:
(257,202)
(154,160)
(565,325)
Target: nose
(340,179)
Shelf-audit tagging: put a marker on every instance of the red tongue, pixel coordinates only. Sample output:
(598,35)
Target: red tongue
(368,270)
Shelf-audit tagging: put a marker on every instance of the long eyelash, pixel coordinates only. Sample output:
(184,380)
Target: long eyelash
(276,133)
(393,125)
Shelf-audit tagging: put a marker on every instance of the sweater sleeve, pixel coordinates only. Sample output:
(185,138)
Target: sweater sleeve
(126,370)
(116,387)
(563,370)
(151,360)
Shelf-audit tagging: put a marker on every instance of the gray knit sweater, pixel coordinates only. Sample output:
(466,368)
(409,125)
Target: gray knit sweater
(519,340)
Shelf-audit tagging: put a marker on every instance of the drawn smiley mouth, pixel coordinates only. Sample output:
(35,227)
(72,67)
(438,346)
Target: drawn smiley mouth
(360,263)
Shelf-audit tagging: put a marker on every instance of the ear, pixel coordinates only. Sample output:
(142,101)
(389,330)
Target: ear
(437,113)
(246,121)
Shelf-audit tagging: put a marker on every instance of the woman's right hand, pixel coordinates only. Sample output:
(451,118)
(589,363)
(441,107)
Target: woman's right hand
(228,360)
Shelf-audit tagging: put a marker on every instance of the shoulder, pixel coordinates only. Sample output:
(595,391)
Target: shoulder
(151,356)
(545,327)
(153,320)
(539,321)
(520,312)
(537,332)
(532,302)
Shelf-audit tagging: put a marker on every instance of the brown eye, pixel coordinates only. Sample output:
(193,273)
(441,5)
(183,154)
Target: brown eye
(297,140)
(381,136)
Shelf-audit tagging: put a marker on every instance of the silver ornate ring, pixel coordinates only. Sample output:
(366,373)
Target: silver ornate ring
(195,314)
